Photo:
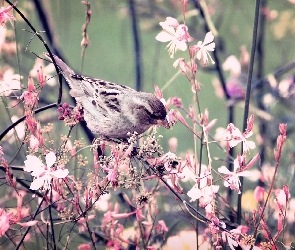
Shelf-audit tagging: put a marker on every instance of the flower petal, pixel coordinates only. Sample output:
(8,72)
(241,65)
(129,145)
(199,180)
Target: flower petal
(181,45)
(210,47)
(50,159)
(194,193)
(37,183)
(31,160)
(208,38)
(224,170)
(60,173)
(164,36)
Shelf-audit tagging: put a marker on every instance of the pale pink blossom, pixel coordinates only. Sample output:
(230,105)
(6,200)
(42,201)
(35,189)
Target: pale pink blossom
(259,193)
(161,228)
(203,187)
(43,174)
(282,197)
(48,70)
(5,16)
(232,243)
(4,221)
(204,48)
(236,136)
(85,246)
(233,65)
(112,174)
(215,225)
(176,34)
(231,179)
(34,143)
(174,101)
(9,82)
(158,92)
(182,65)
(207,193)
(82,222)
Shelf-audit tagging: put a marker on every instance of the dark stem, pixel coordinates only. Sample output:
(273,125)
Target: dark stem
(261,89)
(51,221)
(248,94)
(137,47)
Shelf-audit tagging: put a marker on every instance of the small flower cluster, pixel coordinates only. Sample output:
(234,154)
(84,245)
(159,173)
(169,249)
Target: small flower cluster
(69,115)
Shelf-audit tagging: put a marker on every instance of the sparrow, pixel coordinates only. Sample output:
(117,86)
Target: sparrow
(113,110)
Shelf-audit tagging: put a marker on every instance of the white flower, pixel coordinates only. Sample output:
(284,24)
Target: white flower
(237,136)
(204,47)
(204,190)
(176,34)
(231,179)
(43,174)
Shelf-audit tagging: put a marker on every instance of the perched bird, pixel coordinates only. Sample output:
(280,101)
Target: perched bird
(110,109)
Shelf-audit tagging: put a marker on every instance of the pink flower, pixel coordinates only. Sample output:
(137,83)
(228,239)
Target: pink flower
(204,47)
(282,197)
(4,221)
(207,193)
(235,88)
(5,16)
(44,174)
(174,101)
(203,188)
(39,70)
(112,174)
(231,179)
(85,246)
(259,193)
(34,143)
(161,228)
(237,136)
(232,243)
(176,34)
(184,67)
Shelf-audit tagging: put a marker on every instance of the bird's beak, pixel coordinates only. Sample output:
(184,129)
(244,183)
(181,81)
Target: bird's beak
(164,123)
